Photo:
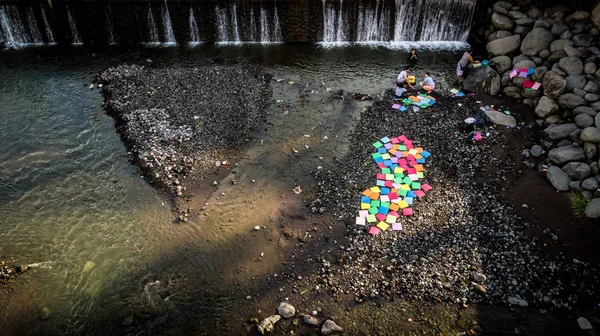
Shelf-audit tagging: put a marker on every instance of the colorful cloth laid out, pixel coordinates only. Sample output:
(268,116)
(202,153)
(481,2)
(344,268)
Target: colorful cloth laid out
(398,184)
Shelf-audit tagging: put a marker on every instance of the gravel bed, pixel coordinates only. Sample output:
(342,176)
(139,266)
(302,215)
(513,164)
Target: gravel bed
(176,122)
(464,244)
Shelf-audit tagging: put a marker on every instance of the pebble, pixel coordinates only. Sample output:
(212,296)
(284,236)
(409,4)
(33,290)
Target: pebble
(286,310)
(310,320)
(329,327)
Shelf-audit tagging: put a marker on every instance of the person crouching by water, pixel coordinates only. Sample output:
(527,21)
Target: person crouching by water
(402,79)
(412,58)
(462,65)
(428,84)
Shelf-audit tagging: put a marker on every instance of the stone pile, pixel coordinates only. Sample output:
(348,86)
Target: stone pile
(561,46)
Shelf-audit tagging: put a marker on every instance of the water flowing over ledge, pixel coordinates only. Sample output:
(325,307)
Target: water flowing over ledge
(388,23)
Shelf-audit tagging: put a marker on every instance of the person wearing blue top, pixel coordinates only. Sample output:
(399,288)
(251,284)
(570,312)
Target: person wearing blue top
(428,84)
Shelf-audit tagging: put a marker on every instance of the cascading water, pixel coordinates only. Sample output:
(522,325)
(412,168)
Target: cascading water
(12,28)
(75,39)
(49,34)
(167,27)
(194,32)
(265,34)
(334,27)
(34,29)
(277,30)
(253,32)
(227,25)
(152,30)
(109,25)
(408,13)
(234,24)
(373,23)
(447,20)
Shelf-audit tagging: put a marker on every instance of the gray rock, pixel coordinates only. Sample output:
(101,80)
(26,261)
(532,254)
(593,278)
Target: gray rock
(559,45)
(577,170)
(267,325)
(557,56)
(551,120)
(520,58)
(504,46)
(536,150)
(571,51)
(546,107)
(589,184)
(584,324)
(570,101)
(518,81)
(589,68)
(559,27)
(591,134)
(584,120)
(538,74)
(544,53)
(594,50)
(563,143)
(500,118)
(575,135)
(525,64)
(310,320)
(595,15)
(581,93)
(554,85)
(516,15)
(595,106)
(590,150)
(502,7)
(557,132)
(566,35)
(536,41)
(286,310)
(525,22)
(582,40)
(535,13)
(591,87)
(591,97)
(566,154)
(541,24)
(595,168)
(483,80)
(514,92)
(571,65)
(575,185)
(588,195)
(502,22)
(501,64)
(537,60)
(558,178)
(531,93)
(516,301)
(584,110)
(575,81)
(578,16)
(329,327)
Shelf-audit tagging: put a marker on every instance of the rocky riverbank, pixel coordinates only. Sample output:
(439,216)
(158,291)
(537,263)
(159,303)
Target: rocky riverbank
(178,122)
(560,48)
(465,244)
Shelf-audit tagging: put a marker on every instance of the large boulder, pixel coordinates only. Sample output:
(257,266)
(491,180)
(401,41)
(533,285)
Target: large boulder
(559,45)
(575,81)
(570,101)
(538,73)
(589,184)
(525,64)
(584,110)
(526,22)
(559,27)
(584,120)
(504,46)
(546,107)
(483,80)
(572,51)
(578,16)
(536,41)
(582,40)
(592,209)
(501,64)
(571,65)
(502,7)
(516,15)
(554,85)
(502,22)
(597,119)
(559,179)
(566,154)
(500,118)
(577,170)
(591,87)
(559,132)
(595,15)
(498,35)
(556,56)
(589,68)
(590,134)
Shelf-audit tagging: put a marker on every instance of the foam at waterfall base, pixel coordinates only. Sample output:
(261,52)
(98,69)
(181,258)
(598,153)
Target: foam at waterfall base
(404,45)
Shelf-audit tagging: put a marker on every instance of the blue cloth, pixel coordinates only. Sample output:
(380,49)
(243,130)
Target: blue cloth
(429,81)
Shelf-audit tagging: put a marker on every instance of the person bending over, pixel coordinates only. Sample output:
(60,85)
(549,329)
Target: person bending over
(428,84)
(402,79)
(462,65)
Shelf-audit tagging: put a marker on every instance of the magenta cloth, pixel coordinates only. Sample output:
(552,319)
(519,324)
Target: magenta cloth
(380,217)
(426,187)
(419,193)
(395,140)
(407,212)
(528,84)
(374,230)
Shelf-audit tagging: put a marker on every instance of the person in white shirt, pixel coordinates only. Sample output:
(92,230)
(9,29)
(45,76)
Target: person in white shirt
(402,79)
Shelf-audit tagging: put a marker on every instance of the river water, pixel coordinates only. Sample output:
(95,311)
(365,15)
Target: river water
(74,208)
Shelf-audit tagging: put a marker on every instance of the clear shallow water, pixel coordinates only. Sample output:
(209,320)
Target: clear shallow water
(69,200)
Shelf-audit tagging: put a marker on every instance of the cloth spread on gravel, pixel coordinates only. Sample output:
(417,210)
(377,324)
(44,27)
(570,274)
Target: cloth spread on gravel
(176,121)
(465,244)
(397,186)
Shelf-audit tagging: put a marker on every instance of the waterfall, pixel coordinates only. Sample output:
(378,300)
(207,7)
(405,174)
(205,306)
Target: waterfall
(34,29)
(373,23)
(49,34)
(277,30)
(11,26)
(152,30)
(75,39)
(253,32)
(234,24)
(447,20)
(222,34)
(265,31)
(227,26)
(167,27)
(408,13)
(265,34)
(109,25)
(334,27)
(194,32)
